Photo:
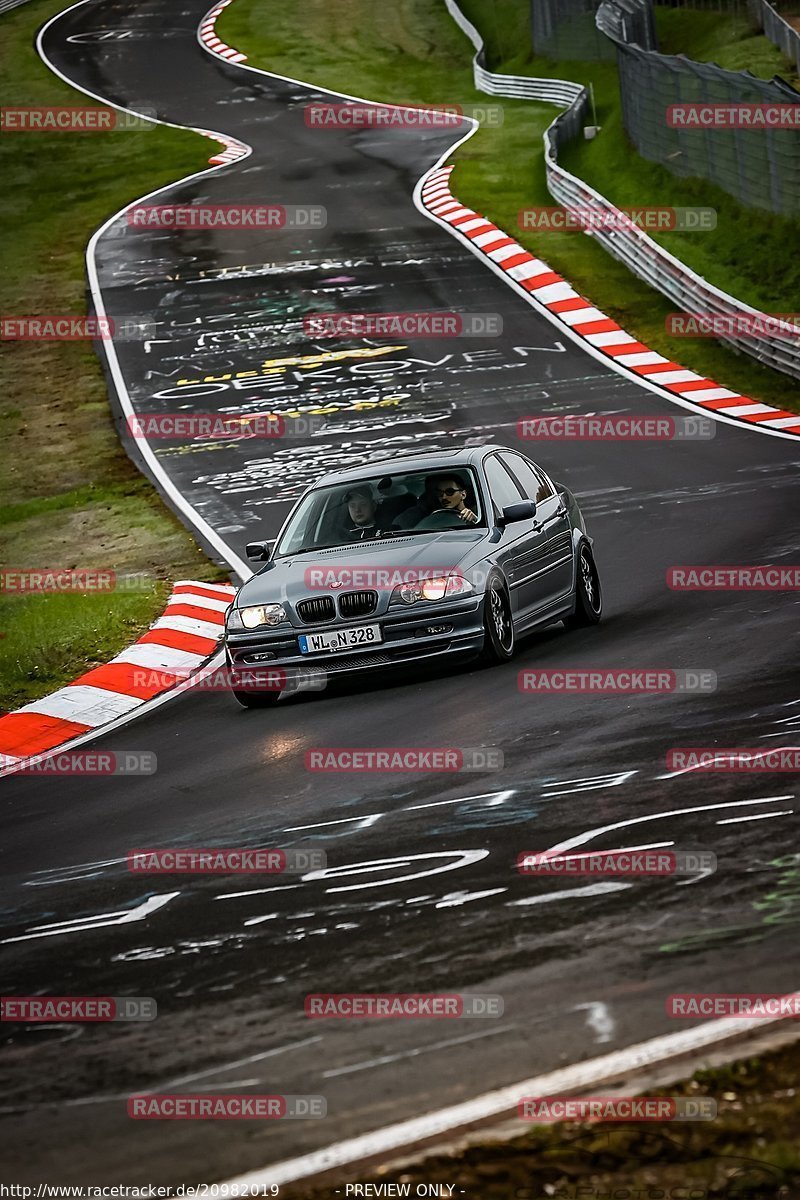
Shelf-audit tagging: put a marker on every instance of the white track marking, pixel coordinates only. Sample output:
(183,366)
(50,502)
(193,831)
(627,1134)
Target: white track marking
(97,921)
(784,812)
(565,1081)
(581,838)
(384,1059)
(591,889)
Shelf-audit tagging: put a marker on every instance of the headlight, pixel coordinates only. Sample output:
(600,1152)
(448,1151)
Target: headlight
(433,589)
(262,614)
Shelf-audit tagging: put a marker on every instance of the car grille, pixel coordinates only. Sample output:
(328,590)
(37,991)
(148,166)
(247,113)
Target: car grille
(358,604)
(321,608)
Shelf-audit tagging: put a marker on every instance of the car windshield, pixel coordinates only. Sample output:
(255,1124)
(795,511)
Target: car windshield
(382,506)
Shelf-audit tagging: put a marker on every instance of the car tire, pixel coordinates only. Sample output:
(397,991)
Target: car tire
(499,639)
(588,592)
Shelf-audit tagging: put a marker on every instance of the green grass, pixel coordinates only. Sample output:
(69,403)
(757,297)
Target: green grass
(414,51)
(48,639)
(69,495)
(727,39)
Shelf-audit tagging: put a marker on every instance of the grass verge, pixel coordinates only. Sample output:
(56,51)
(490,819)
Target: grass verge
(412,51)
(69,495)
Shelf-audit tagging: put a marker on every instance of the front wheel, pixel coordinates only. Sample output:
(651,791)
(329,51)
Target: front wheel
(499,640)
(588,593)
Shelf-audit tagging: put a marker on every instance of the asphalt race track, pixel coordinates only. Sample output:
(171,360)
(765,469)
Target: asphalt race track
(584,966)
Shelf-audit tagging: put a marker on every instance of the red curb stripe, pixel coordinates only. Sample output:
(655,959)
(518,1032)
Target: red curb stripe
(25,733)
(516,260)
(574,302)
(181,589)
(695,385)
(199,614)
(506,241)
(730,402)
(604,326)
(540,281)
(486,227)
(628,348)
(175,639)
(772,415)
(128,679)
(657,369)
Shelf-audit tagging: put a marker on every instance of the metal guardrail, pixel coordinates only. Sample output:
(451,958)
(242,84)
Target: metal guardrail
(517,87)
(777,29)
(640,254)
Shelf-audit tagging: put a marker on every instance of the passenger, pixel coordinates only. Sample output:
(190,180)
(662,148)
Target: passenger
(451,494)
(362,509)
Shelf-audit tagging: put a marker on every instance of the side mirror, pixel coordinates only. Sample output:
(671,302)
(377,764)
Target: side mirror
(525,510)
(258,551)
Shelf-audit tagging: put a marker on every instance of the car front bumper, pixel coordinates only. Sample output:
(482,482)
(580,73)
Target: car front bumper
(451,631)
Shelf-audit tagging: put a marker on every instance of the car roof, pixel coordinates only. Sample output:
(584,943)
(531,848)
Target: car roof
(430,460)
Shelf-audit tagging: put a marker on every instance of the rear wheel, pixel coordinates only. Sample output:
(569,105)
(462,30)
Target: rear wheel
(588,593)
(499,640)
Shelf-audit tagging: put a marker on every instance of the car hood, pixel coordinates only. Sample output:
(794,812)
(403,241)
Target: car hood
(378,565)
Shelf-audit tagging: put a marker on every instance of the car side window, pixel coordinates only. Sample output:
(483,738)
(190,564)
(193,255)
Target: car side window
(503,488)
(532,482)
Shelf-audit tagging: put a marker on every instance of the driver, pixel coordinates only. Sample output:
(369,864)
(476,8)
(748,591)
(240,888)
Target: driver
(451,495)
(362,509)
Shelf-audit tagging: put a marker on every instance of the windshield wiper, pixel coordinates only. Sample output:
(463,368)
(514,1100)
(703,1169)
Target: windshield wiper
(398,532)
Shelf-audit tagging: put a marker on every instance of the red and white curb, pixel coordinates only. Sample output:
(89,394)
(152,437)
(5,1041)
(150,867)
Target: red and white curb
(176,645)
(604,335)
(208,36)
(233,148)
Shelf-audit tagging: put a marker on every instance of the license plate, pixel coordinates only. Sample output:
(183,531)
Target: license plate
(340,639)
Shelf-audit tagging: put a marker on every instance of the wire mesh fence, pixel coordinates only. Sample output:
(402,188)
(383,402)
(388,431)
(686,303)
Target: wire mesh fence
(778,29)
(671,109)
